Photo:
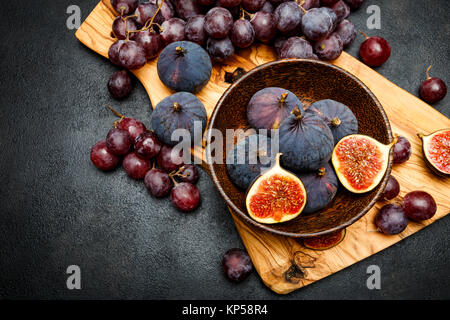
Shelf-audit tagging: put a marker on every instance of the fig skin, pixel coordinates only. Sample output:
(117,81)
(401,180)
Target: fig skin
(269,107)
(321,188)
(325,242)
(178,111)
(306,142)
(184,66)
(243,174)
(341,120)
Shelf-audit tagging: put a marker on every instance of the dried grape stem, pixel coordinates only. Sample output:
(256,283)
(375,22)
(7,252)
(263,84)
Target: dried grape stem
(146,27)
(365,35)
(427,72)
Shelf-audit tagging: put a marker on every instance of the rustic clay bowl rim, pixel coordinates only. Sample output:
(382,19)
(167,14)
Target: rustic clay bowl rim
(267,227)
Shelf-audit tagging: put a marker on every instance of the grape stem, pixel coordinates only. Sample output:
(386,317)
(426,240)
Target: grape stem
(117,114)
(245,12)
(301,3)
(427,72)
(146,27)
(365,35)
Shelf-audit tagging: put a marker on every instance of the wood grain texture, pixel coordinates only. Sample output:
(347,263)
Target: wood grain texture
(283,264)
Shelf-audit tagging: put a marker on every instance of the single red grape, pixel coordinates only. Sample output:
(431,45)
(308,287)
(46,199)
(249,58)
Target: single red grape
(374,51)
(158,183)
(242,33)
(118,141)
(135,166)
(392,189)
(195,30)
(188,8)
(102,158)
(341,9)
(173,30)
(419,205)
(402,150)
(185,197)
(288,16)
(264,25)
(391,219)
(169,160)
(147,145)
(296,47)
(236,265)
(329,48)
(433,89)
(188,173)
(133,126)
(218,22)
(220,49)
(118,28)
(346,30)
(120,84)
(150,41)
(124,7)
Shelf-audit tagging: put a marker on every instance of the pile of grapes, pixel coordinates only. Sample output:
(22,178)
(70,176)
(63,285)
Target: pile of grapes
(140,151)
(314,29)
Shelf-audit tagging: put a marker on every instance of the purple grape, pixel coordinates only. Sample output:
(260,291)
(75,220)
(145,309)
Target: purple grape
(329,48)
(288,16)
(118,28)
(391,219)
(127,54)
(120,84)
(318,23)
(419,205)
(189,173)
(220,49)
(242,33)
(158,183)
(195,31)
(267,7)
(169,160)
(236,265)
(278,44)
(145,12)
(118,141)
(392,189)
(185,197)
(147,145)
(228,3)
(124,7)
(402,150)
(167,10)
(135,166)
(218,22)
(341,9)
(346,30)
(264,26)
(151,42)
(253,5)
(133,126)
(296,47)
(354,4)
(173,30)
(102,158)
(188,8)
(311,4)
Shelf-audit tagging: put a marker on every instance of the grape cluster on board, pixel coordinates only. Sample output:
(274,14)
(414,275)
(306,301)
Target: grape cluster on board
(297,29)
(144,156)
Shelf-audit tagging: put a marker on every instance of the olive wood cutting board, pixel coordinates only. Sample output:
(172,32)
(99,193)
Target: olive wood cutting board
(283,263)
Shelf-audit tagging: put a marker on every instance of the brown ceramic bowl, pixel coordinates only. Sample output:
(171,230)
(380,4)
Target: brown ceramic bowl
(310,80)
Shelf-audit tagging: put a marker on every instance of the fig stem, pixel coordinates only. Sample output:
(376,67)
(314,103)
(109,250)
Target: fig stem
(365,35)
(322,171)
(176,106)
(283,97)
(179,50)
(427,72)
(297,113)
(335,122)
(277,159)
(421,135)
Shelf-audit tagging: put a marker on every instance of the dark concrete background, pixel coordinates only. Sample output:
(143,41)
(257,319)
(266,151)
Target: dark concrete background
(56,209)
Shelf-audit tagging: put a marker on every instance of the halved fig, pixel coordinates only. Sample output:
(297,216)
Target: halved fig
(360,162)
(276,196)
(325,242)
(436,149)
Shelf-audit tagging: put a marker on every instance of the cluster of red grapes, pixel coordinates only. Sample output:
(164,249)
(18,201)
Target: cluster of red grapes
(140,151)
(417,205)
(297,29)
